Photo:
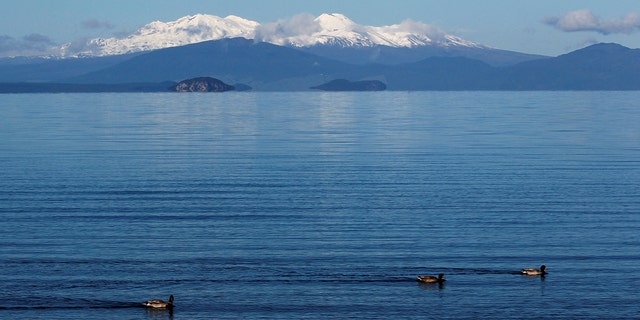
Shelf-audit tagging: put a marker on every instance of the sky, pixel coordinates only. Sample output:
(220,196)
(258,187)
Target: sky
(548,27)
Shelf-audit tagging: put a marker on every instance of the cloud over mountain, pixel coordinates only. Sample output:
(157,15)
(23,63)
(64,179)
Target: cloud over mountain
(301,30)
(299,25)
(158,35)
(30,44)
(585,20)
(97,24)
(336,29)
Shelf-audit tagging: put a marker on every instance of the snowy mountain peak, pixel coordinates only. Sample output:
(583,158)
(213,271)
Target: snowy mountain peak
(299,31)
(335,22)
(199,22)
(158,35)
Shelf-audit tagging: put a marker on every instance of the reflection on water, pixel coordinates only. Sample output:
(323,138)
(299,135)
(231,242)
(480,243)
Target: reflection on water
(320,205)
(157,314)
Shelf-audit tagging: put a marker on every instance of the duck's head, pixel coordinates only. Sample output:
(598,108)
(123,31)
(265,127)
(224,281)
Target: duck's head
(440,276)
(543,268)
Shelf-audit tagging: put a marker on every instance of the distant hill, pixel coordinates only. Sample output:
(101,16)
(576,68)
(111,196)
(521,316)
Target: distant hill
(346,85)
(605,66)
(597,67)
(265,66)
(39,87)
(53,70)
(441,73)
(387,55)
(260,65)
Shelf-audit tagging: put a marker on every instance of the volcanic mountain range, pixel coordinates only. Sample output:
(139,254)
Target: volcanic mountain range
(307,51)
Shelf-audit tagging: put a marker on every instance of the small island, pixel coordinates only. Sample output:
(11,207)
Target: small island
(201,84)
(346,85)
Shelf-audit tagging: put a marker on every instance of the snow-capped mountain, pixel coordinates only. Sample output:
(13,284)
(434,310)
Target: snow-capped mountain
(299,31)
(158,35)
(337,29)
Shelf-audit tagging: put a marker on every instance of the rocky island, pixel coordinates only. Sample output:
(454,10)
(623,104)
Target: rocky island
(201,84)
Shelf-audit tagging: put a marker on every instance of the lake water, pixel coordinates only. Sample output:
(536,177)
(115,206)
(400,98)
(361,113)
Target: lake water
(320,205)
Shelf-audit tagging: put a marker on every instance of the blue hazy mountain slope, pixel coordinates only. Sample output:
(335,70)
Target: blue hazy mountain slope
(24,69)
(597,67)
(398,55)
(265,66)
(604,66)
(269,67)
(440,73)
(230,60)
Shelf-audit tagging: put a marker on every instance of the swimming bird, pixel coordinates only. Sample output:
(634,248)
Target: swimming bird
(432,279)
(534,271)
(160,304)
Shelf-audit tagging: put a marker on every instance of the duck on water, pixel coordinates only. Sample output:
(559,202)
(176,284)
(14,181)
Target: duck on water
(535,272)
(160,304)
(431,279)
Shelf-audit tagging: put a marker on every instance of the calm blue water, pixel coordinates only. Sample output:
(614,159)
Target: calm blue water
(320,205)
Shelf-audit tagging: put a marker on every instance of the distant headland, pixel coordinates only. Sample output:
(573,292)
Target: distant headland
(346,85)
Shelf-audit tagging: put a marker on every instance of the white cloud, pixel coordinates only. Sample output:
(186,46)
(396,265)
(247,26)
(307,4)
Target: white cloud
(305,29)
(302,24)
(97,24)
(32,44)
(585,20)
(416,27)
